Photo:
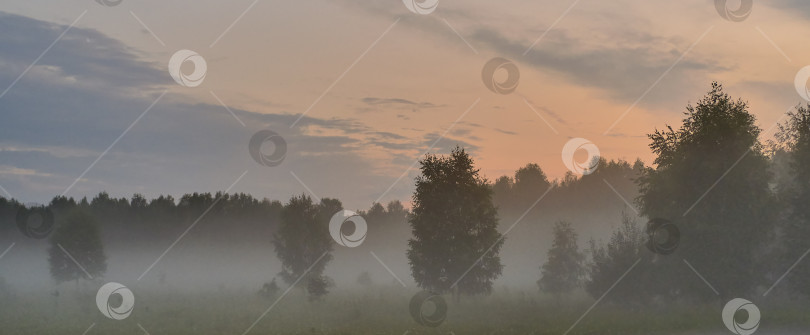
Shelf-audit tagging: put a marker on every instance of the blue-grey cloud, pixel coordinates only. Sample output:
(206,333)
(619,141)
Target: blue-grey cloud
(801,7)
(89,88)
(84,56)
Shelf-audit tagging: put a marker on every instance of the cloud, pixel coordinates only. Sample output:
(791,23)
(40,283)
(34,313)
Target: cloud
(89,88)
(801,7)
(84,57)
(623,68)
(554,115)
(397,101)
(507,132)
(444,145)
(624,72)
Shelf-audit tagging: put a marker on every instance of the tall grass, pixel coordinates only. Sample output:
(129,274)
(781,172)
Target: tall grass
(378,310)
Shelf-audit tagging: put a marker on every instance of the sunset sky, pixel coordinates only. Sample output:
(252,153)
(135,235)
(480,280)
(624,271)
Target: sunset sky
(376,84)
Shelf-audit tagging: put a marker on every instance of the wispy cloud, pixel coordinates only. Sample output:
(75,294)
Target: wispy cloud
(90,87)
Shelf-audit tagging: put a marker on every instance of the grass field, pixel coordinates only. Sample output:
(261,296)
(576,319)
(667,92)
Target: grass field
(373,311)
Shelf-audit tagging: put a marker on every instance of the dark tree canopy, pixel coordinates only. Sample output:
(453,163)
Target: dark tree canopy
(711,179)
(79,236)
(454,224)
(794,144)
(303,239)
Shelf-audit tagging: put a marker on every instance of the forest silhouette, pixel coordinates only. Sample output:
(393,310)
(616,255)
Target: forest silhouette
(734,208)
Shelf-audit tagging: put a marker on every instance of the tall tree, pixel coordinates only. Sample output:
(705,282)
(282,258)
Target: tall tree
(564,269)
(454,226)
(303,242)
(711,179)
(77,237)
(794,140)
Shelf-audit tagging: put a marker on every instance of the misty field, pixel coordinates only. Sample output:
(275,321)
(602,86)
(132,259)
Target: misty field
(378,310)
(467,255)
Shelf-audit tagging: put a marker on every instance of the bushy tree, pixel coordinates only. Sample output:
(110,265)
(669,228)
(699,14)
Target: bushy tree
(530,183)
(711,179)
(302,239)
(516,195)
(794,145)
(454,224)
(564,269)
(79,236)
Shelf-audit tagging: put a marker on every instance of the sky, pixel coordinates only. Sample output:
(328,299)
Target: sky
(359,90)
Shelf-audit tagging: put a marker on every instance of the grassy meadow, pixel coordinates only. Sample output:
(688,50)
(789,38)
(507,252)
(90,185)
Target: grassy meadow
(377,310)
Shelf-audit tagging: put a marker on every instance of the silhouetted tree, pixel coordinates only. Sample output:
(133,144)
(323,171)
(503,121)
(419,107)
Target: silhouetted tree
(518,194)
(454,225)
(79,236)
(711,179)
(530,183)
(514,196)
(794,145)
(376,213)
(396,211)
(564,269)
(302,240)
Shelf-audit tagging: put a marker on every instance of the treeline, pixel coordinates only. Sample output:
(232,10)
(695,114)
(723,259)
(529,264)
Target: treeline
(90,230)
(136,224)
(727,216)
(164,215)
